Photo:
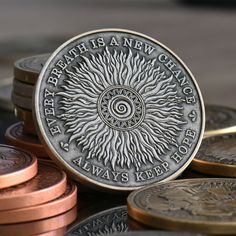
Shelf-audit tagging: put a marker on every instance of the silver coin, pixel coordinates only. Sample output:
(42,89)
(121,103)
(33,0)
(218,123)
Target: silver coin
(22,102)
(5,94)
(118,110)
(23,89)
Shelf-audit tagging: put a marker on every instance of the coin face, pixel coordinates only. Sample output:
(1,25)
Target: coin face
(118,110)
(111,221)
(200,205)
(220,119)
(27,69)
(217,156)
(16,166)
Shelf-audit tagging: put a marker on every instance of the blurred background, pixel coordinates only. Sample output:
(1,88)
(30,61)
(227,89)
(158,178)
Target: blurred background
(202,33)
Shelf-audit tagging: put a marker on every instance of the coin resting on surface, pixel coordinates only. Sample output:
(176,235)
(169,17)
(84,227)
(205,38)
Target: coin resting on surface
(194,205)
(118,110)
(27,69)
(48,184)
(217,156)
(220,120)
(24,115)
(16,166)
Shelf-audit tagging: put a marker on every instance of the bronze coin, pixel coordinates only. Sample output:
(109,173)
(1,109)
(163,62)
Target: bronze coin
(55,207)
(16,166)
(57,232)
(15,136)
(24,114)
(48,184)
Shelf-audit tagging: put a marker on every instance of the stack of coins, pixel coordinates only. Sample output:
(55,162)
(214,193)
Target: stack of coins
(23,134)
(34,194)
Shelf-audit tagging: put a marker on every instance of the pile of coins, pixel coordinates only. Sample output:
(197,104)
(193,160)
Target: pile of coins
(33,193)
(119,112)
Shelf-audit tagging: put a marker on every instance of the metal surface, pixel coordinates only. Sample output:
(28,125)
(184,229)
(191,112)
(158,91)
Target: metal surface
(197,205)
(217,156)
(156,233)
(118,110)
(5,94)
(16,166)
(20,101)
(23,89)
(48,184)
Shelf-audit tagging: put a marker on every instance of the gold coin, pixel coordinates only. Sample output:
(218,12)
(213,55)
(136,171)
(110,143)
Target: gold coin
(27,69)
(5,94)
(217,156)
(219,120)
(196,205)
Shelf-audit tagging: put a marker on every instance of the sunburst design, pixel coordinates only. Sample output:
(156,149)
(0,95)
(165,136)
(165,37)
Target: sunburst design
(121,108)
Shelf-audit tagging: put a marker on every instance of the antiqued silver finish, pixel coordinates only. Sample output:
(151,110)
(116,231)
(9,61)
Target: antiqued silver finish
(118,110)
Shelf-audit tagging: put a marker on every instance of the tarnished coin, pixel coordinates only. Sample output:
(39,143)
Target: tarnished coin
(55,207)
(118,110)
(27,69)
(24,115)
(196,205)
(156,233)
(15,136)
(5,94)
(48,184)
(20,101)
(217,156)
(220,120)
(23,89)
(40,226)
(111,221)
(16,166)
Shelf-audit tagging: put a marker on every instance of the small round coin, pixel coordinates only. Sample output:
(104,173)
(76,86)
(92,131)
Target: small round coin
(48,184)
(16,166)
(15,136)
(196,205)
(27,69)
(23,89)
(118,110)
(24,115)
(55,207)
(217,156)
(156,233)
(219,120)
(23,102)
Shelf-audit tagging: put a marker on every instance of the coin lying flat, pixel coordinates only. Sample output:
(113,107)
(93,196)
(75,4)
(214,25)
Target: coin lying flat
(40,226)
(55,207)
(217,156)
(24,115)
(48,184)
(23,89)
(219,120)
(27,69)
(20,101)
(156,233)
(5,94)
(57,232)
(16,166)
(118,110)
(15,136)
(196,205)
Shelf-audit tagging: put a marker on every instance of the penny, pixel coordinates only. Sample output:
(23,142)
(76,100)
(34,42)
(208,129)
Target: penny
(196,205)
(5,94)
(40,226)
(15,136)
(118,110)
(20,101)
(55,207)
(16,166)
(111,221)
(57,232)
(48,184)
(220,120)
(217,156)
(29,128)
(23,89)
(27,69)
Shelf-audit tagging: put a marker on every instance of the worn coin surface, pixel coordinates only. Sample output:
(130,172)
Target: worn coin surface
(27,69)
(156,233)
(219,120)
(118,110)
(217,156)
(48,184)
(196,205)
(16,166)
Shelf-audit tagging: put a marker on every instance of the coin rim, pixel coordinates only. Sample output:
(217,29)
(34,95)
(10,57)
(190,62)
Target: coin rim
(46,141)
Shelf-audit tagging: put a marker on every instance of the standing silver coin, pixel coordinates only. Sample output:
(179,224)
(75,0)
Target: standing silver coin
(118,110)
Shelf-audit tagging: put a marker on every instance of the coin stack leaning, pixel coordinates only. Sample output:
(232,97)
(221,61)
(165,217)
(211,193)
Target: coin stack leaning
(33,193)
(23,134)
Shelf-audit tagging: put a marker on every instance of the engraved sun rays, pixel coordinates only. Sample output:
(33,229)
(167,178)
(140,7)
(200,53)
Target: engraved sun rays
(124,147)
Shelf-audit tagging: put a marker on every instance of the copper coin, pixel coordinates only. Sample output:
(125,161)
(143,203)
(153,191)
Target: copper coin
(29,128)
(24,114)
(20,101)
(16,166)
(55,207)
(23,89)
(39,226)
(15,136)
(48,184)
(27,69)
(57,232)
